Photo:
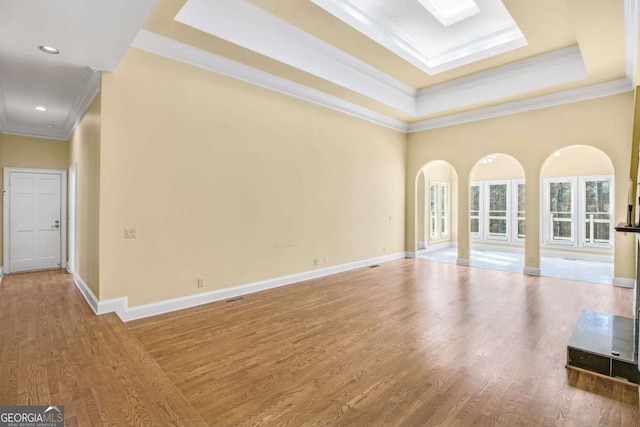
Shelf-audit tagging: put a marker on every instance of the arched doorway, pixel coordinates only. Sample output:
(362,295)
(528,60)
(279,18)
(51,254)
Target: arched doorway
(497,213)
(437,210)
(577,215)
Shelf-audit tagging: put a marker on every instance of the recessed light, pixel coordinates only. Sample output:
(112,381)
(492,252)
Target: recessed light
(41,108)
(48,126)
(49,49)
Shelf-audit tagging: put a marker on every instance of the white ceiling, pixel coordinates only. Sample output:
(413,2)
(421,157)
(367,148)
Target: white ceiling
(409,30)
(481,66)
(90,35)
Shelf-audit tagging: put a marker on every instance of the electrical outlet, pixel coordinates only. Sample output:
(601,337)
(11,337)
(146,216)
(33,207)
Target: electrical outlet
(326,260)
(201,283)
(384,249)
(315,261)
(130,233)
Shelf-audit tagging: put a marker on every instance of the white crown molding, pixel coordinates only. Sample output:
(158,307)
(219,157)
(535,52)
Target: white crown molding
(247,25)
(562,66)
(90,87)
(87,91)
(522,76)
(121,305)
(489,41)
(172,49)
(574,95)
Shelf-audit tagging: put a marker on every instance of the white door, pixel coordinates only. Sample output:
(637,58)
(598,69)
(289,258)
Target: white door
(35,217)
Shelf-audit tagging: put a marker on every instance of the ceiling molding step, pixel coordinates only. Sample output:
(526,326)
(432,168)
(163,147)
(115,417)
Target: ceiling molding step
(247,25)
(631,24)
(562,66)
(181,52)
(489,41)
(86,93)
(574,95)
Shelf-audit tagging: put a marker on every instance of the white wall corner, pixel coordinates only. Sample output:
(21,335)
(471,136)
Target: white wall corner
(531,271)
(624,282)
(463,262)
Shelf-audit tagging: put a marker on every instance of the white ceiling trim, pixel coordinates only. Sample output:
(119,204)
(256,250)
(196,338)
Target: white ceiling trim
(249,26)
(487,42)
(88,90)
(172,49)
(568,57)
(560,98)
(562,66)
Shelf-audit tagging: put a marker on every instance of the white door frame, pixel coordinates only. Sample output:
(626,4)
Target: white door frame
(73,186)
(6,209)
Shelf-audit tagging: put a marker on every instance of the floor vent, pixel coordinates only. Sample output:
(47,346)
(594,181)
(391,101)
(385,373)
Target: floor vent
(234,299)
(374,266)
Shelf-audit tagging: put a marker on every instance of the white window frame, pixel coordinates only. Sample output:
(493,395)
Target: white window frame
(514,209)
(546,212)
(439,212)
(445,210)
(479,235)
(434,209)
(578,213)
(583,211)
(488,217)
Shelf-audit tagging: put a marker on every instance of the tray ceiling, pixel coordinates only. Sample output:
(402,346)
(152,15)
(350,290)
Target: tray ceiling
(392,62)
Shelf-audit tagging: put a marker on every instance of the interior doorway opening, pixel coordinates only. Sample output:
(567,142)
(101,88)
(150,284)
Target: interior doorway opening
(436,207)
(577,214)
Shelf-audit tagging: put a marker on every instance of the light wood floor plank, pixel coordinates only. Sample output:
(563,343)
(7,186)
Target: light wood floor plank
(55,350)
(406,343)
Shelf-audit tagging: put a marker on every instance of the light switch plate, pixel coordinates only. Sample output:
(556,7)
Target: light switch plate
(130,233)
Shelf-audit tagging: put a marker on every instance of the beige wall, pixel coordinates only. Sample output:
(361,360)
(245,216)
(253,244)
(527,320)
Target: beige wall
(25,152)
(84,151)
(501,168)
(579,160)
(234,184)
(531,137)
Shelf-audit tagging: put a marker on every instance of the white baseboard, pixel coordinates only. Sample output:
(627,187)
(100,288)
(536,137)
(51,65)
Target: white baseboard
(463,262)
(584,256)
(1,273)
(531,271)
(411,255)
(121,305)
(84,289)
(624,282)
(436,247)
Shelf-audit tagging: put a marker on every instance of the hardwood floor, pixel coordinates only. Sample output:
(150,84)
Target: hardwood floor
(407,343)
(55,350)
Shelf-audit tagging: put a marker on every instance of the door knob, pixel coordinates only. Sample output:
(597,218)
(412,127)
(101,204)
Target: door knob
(56,225)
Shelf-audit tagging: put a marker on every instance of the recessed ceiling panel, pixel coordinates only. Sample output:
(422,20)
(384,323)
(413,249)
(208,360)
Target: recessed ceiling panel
(413,32)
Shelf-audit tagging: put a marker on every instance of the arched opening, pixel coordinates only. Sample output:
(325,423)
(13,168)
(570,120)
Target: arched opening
(437,211)
(577,215)
(497,213)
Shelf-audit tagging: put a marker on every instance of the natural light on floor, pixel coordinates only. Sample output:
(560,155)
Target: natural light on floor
(563,268)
